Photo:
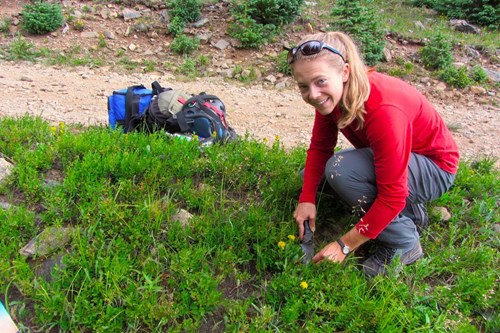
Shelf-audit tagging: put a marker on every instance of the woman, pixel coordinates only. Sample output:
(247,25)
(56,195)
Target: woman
(404,154)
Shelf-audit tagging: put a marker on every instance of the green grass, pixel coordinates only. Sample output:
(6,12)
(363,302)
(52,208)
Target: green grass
(130,267)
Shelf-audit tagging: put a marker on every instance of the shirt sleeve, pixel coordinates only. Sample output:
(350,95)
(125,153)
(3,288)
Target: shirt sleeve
(323,141)
(389,132)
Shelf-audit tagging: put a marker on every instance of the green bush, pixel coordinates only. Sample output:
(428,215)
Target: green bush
(484,12)
(183,44)
(478,74)
(250,33)
(5,24)
(282,63)
(276,12)
(182,12)
(456,77)
(437,53)
(360,21)
(41,17)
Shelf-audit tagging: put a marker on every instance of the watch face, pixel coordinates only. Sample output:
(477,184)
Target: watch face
(345,250)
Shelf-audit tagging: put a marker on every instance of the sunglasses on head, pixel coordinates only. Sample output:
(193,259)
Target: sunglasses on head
(310,48)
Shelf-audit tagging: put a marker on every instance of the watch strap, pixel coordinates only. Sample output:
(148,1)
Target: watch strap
(344,247)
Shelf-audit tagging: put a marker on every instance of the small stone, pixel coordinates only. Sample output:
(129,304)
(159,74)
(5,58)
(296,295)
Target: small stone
(222,44)
(182,216)
(442,213)
(26,79)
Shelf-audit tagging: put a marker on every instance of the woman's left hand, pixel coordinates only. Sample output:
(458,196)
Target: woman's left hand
(331,252)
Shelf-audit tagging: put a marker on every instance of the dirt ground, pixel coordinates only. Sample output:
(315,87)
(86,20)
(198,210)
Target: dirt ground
(79,94)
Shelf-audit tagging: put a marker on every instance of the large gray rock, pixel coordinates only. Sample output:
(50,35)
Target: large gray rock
(48,241)
(5,168)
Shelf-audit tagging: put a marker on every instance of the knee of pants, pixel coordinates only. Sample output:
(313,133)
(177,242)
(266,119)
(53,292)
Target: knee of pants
(336,174)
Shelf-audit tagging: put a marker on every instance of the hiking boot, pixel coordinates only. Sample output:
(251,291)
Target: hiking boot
(378,262)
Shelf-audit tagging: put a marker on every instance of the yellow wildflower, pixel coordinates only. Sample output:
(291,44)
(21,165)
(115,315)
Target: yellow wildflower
(291,237)
(304,285)
(281,245)
(53,129)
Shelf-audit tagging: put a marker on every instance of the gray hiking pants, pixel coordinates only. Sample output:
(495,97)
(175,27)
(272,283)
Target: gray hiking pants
(354,181)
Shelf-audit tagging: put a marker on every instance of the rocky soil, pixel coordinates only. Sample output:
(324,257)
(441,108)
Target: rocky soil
(269,107)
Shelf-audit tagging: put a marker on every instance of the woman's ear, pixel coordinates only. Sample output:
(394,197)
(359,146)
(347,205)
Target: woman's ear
(346,72)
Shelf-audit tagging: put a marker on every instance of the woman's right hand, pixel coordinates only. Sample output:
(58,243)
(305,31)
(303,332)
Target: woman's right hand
(305,211)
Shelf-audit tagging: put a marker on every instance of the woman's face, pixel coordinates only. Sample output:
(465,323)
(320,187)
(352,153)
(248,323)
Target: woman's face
(320,83)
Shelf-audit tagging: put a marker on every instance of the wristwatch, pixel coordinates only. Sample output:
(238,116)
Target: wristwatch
(345,249)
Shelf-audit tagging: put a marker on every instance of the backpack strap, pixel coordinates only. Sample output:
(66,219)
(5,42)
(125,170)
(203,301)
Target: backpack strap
(157,88)
(131,108)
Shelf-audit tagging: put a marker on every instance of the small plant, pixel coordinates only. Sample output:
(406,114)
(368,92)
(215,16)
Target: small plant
(437,53)
(282,63)
(188,68)
(478,74)
(21,49)
(361,22)
(182,12)
(86,9)
(203,60)
(5,24)
(456,77)
(79,25)
(185,45)
(275,12)
(101,40)
(250,33)
(149,66)
(41,17)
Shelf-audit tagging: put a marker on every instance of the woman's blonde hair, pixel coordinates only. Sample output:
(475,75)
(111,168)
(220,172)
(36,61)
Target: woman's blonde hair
(357,87)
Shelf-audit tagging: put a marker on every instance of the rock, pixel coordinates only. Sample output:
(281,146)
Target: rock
(419,25)
(464,26)
(89,34)
(222,44)
(48,241)
(387,55)
(5,205)
(26,79)
(132,47)
(109,34)
(442,213)
(182,216)
(130,14)
(493,75)
(270,78)
(309,28)
(476,90)
(441,86)
(204,38)
(5,169)
(45,268)
(496,228)
(200,23)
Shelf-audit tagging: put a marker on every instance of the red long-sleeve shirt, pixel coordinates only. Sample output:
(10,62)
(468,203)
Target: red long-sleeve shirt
(398,120)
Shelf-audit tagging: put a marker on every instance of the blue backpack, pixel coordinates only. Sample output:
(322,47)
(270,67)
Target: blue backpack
(126,106)
(173,111)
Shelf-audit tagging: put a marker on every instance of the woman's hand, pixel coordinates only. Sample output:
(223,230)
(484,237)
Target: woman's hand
(331,252)
(305,211)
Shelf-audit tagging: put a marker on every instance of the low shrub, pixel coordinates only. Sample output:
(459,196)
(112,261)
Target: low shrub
(484,12)
(250,33)
(276,12)
(361,22)
(456,77)
(183,44)
(437,53)
(41,17)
